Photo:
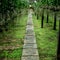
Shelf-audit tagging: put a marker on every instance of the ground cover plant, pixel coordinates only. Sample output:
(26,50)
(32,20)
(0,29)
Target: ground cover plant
(12,42)
(47,38)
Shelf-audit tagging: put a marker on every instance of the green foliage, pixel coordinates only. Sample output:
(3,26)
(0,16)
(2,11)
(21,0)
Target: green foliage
(22,4)
(16,34)
(48,2)
(46,38)
(9,10)
(16,53)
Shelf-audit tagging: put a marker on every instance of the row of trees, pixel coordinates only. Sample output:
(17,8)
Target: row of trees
(53,5)
(49,5)
(9,10)
(48,2)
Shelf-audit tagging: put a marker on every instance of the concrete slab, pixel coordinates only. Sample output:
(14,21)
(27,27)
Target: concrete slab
(29,46)
(30,58)
(30,51)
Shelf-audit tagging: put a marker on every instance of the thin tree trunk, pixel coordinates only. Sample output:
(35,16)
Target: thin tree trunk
(47,16)
(58,51)
(37,13)
(37,16)
(55,18)
(6,22)
(42,18)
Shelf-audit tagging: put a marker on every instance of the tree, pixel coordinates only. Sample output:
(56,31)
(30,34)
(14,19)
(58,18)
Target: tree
(10,8)
(42,18)
(55,18)
(58,50)
(47,11)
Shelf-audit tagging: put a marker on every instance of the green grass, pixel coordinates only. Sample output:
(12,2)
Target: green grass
(46,38)
(13,37)
(10,54)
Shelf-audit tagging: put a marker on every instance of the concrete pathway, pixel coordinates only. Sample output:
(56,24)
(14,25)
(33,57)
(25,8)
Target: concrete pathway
(30,51)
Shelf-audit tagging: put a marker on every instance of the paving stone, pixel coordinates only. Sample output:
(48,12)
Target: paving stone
(30,32)
(29,26)
(29,41)
(30,29)
(30,45)
(29,17)
(30,58)
(27,37)
(30,51)
(29,23)
(30,20)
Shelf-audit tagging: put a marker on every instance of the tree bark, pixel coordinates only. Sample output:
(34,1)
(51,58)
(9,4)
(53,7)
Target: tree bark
(58,50)
(37,16)
(42,18)
(55,18)
(47,16)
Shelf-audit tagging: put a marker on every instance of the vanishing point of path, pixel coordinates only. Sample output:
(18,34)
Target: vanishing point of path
(30,51)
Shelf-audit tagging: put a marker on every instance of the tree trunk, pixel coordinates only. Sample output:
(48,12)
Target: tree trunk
(58,50)
(6,22)
(37,13)
(37,16)
(47,16)
(42,18)
(55,16)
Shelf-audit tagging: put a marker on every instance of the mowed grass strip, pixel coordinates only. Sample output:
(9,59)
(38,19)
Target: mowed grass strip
(46,38)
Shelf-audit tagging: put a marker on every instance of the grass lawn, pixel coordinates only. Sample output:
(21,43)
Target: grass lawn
(11,42)
(47,38)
